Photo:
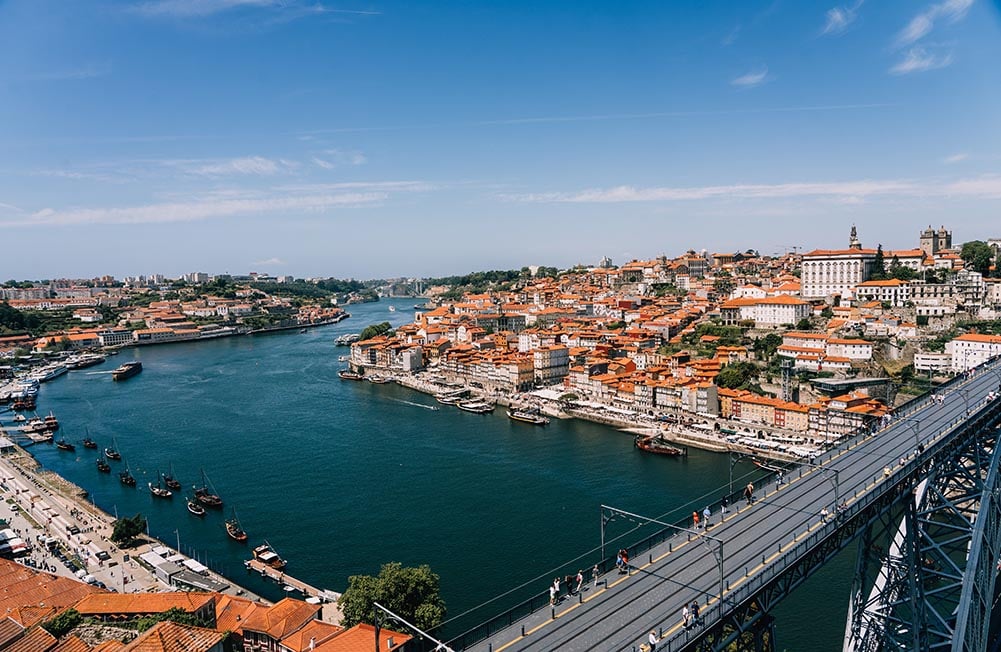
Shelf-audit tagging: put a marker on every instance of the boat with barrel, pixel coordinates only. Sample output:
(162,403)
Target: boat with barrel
(89,443)
(656,444)
(347,374)
(64,445)
(206,494)
(234,529)
(526,415)
(476,406)
(126,478)
(112,454)
(170,481)
(195,508)
(103,466)
(127,370)
(159,492)
(266,554)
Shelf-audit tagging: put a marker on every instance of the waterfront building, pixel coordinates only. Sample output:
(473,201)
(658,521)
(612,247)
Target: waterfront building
(835,272)
(551,364)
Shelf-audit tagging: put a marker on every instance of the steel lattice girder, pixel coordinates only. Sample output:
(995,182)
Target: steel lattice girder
(937,592)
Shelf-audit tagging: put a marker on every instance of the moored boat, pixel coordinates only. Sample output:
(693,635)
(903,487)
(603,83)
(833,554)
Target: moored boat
(112,454)
(476,407)
(170,482)
(195,508)
(85,360)
(347,374)
(125,477)
(266,554)
(379,380)
(656,444)
(103,466)
(158,491)
(51,422)
(528,416)
(127,370)
(207,497)
(234,529)
(64,445)
(89,443)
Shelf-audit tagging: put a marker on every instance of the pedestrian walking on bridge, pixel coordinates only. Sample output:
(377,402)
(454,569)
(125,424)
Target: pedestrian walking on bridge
(695,520)
(749,493)
(706,513)
(652,639)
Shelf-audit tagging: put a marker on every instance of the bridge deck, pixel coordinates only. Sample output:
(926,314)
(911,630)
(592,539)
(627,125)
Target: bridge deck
(621,614)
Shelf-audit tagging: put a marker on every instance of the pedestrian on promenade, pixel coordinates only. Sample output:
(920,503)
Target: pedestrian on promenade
(618,562)
(595,572)
(556,589)
(706,513)
(625,561)
(568,580)
(686,616)
(652,639)
(724,502)
(695,520)
(749,492)
(695,612)
(824,514)
(552,595)
(580,580)
(780,478)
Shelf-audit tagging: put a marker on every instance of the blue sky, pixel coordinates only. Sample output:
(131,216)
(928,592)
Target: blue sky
(363,138)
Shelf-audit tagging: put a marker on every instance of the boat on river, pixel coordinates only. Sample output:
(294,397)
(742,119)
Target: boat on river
(266,554)
(532,416)
(103,466)
(656,444)
(112,454)
(195,508)
(169,481)
(127,370)
(126,478)
(234,529)
(476,407)
(159,492)
(64,445)
(89,443)
(206,495)
(85,360)
(347,374)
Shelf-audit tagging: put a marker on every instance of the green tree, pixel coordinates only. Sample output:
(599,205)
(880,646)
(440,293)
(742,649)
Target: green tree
(804,324)
(127,529)
(737,376)
(174,615)
(63,623)
(977,256)
(827,312)
(878,265)
(412,593)
(375,330)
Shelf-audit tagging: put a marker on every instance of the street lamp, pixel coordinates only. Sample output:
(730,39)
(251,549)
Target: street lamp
(734,458)
(441,647)
(836,480)
(915,424)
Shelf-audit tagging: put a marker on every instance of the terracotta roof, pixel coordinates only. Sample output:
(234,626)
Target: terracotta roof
(316,630)
(143,603)
(281,619)
(10,629)
(36,640)
(30,596)
(980,337)
(171,637)
(110,646)
(71,643)
(232,612)
(361,638)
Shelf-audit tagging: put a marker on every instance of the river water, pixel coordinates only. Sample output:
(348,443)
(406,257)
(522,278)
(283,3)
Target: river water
(341,477)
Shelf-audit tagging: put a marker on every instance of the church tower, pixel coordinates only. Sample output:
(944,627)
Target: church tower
(853,242)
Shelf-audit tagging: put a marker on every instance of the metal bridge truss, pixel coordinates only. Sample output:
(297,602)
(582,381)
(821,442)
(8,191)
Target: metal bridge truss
(965,464)
(933,590)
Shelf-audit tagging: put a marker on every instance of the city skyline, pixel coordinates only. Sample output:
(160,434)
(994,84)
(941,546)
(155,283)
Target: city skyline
(380,139)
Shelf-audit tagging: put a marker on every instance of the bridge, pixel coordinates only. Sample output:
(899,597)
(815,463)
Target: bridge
(922,494)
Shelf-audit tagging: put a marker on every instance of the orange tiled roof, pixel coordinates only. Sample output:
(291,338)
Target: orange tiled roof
(172,637)
(30,596)
(71,643)
(36,640)
(315,630)
(143,603)
(281,619)
(361,638)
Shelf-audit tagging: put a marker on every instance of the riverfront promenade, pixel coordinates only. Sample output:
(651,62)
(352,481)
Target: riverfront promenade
(623,609)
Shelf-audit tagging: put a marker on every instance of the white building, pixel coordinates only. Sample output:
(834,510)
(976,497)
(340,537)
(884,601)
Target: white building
(891,291)
(829,272)
(932,362)
(972,349)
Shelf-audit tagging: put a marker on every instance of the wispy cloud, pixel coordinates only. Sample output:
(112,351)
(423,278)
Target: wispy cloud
(269,262)
(333,158)
(955,158)
(751,79)
(86,71)
(247,165)
(918,59)
(731,36)
(986,187)
(839,18)
(199,8)
(923,23)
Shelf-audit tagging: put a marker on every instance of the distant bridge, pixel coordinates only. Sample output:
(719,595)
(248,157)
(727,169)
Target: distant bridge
(922,495)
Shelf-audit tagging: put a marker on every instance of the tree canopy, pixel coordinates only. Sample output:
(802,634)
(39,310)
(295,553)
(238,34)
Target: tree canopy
(126,529)
(375,330)
(12,319)
(412,593)
(978,256)
(737,376)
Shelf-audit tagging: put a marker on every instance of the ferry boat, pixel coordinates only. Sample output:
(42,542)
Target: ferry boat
(266,554)
(64,445)
(85,360)
(206,497)
(20,418)
(345,340)
(158,491)
(103,466)
(195,508)
(527,416)
(347,374)
(656,444)
(126,371)
(234,529)
(89,443)
(35,424)
(452,398)
(476,407)
(112,454)
(46,374)
(51,422)
(379,380)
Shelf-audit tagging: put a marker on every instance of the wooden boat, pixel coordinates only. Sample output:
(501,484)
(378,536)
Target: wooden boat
(125,477)
(656,444)
(112,454)
(266,554)
(207,497)
(89,443)
(476,407)
(234,529)
(169,481)
(51,422)
(528,416)
(103,466)
(347,374)
(195,508)
(159,492)
(64,445)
